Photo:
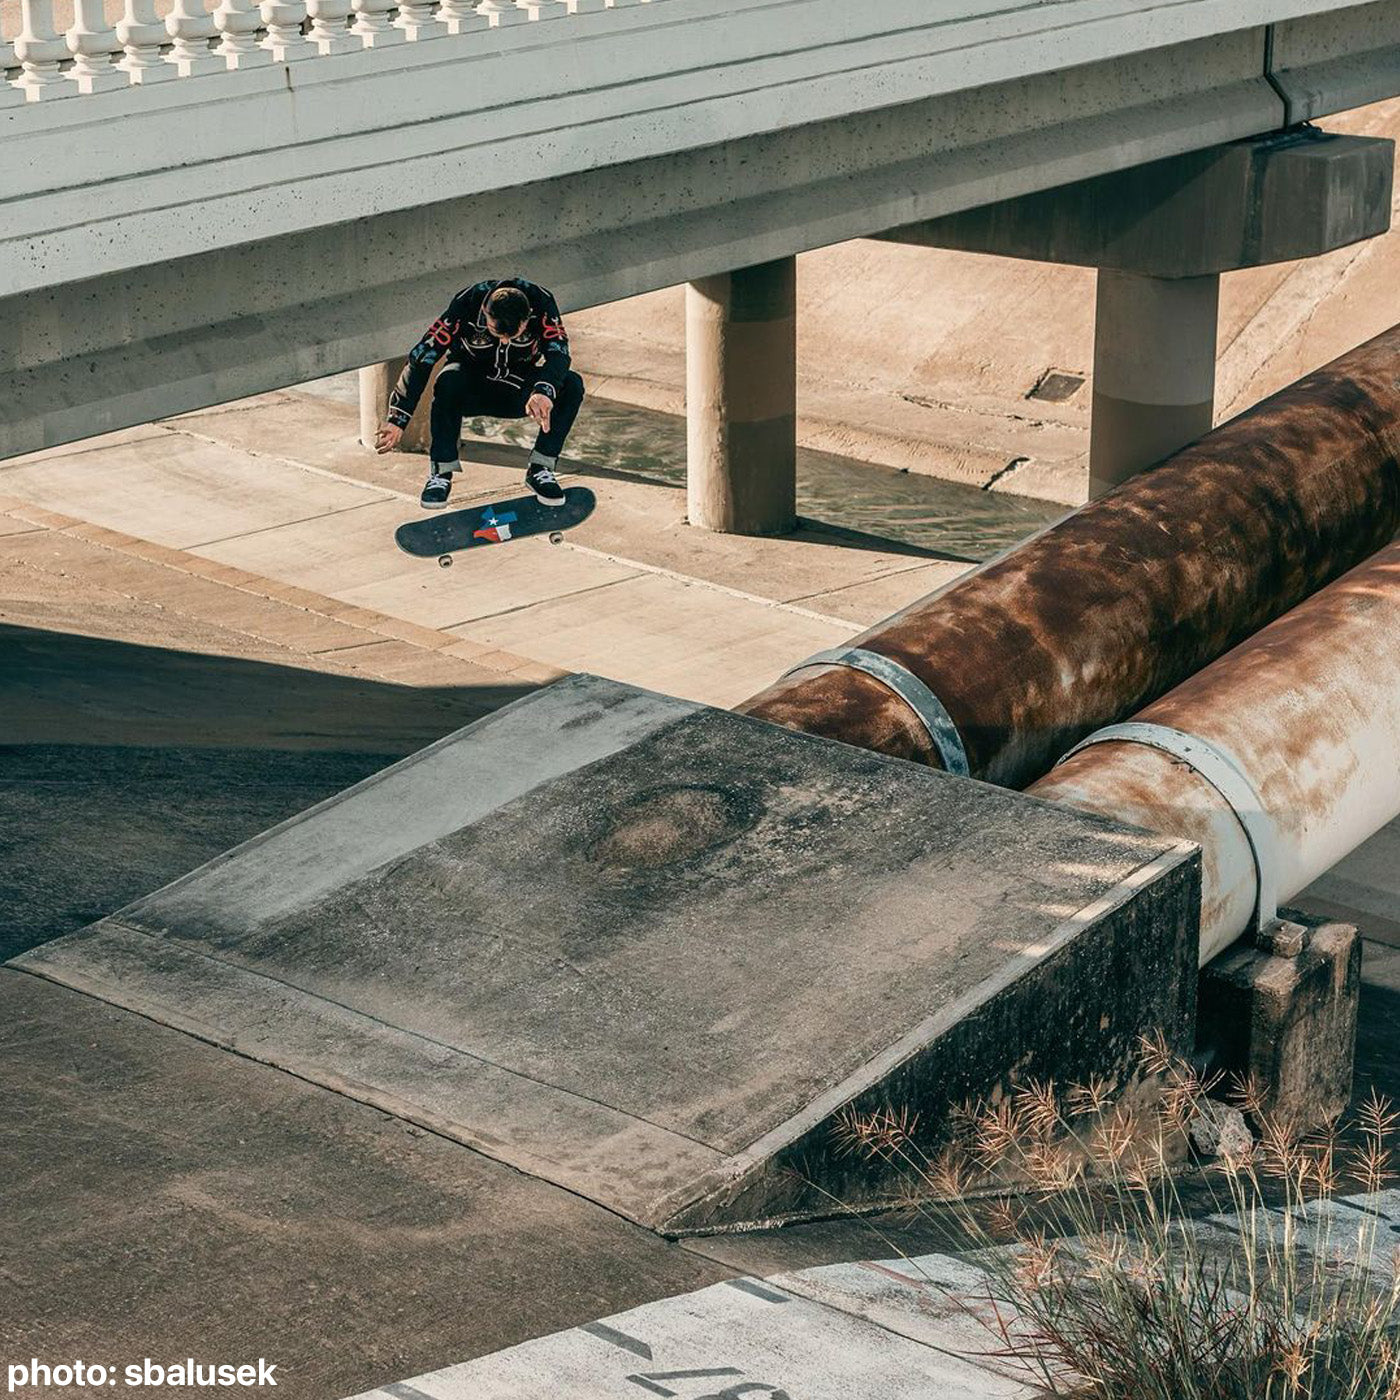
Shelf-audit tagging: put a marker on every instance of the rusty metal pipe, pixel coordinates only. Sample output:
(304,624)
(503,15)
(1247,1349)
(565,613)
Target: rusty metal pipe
(1308,710)
(1125,598)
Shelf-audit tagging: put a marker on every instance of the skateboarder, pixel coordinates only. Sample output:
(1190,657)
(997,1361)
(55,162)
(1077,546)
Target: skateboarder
(507,357)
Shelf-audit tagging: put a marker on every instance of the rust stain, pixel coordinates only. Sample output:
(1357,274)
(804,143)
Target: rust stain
(1126,598)
(1309,709)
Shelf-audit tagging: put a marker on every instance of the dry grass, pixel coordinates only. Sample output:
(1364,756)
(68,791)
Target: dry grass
(1130,1302)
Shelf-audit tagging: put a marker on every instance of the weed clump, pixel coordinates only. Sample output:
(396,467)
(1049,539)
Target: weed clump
(1101,1285)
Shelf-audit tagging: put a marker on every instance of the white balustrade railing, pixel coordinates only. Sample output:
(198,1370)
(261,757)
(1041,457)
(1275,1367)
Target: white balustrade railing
(93,56)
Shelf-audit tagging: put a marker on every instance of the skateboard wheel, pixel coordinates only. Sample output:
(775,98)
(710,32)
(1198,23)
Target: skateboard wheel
(556,537)
(444,561)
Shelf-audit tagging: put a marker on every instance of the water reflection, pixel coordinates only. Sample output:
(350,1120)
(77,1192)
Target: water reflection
(950,519)
(944,516)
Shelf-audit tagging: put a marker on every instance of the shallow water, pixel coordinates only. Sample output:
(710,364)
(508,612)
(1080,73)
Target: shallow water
(945,517)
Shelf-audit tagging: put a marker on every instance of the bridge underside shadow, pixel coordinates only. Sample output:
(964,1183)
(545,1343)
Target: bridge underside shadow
(650,951)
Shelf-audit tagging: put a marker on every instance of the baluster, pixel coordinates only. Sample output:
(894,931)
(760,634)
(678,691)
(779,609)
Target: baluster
(496,12)
(238,21)
(191,28)
(328,31)
(418,21)
(285,41)
(580,7)
(92,42)
(541,9)
(460,16)
(40,48)
(142,34)
(372,24)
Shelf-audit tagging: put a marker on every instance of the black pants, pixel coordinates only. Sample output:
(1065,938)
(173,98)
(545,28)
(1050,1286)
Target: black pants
(459,394)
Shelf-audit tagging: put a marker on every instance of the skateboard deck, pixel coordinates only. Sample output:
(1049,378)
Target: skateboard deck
(446,533)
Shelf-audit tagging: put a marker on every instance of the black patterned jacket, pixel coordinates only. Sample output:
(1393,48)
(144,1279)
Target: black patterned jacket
(540,349)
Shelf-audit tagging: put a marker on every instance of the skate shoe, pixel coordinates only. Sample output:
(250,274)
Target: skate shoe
(436,490)
(540,478)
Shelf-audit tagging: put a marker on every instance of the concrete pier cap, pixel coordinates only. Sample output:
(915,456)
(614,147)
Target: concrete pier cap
(1161,235)
(651,951)
(1274,198)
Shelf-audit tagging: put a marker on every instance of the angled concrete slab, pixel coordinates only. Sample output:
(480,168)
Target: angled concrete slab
(649,951)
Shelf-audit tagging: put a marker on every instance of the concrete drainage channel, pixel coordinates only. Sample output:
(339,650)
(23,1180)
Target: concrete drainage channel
(658,952)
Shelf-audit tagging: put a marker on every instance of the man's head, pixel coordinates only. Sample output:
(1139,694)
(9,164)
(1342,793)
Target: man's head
(507,309)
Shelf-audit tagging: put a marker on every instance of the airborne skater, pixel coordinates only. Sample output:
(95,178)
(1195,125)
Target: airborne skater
(507,357)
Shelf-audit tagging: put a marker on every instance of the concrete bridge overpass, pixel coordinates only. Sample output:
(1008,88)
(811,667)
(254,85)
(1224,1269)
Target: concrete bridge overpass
(170,244)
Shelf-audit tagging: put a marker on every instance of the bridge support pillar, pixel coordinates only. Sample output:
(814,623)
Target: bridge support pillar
(741,400)
(1160,235)
(376,381)
(1154,371)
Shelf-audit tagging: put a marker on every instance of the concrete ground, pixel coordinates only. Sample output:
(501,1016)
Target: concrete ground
(278,489)
(204,627)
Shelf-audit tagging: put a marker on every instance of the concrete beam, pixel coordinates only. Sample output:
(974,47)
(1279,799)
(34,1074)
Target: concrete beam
(741,400)
(165,337)
(1268,199)
(1336,60)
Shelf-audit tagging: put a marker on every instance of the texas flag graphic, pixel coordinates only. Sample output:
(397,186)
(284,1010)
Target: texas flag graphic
(493,527)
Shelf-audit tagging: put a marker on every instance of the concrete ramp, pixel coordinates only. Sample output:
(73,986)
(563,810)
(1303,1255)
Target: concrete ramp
(648,950)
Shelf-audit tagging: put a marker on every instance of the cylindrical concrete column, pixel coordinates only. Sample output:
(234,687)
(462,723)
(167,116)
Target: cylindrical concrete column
(1154,371)
(741,400)
(376,381)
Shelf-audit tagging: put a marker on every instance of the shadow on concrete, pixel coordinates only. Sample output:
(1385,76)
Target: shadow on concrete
(124,766)
(1377,1044)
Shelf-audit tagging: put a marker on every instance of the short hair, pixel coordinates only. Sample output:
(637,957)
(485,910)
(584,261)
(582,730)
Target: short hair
(508,307)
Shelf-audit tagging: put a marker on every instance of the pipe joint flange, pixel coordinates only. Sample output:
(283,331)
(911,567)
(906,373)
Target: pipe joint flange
(1219,767)
(928,708)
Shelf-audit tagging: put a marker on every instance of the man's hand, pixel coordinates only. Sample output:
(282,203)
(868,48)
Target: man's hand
(388,438)
(539,406)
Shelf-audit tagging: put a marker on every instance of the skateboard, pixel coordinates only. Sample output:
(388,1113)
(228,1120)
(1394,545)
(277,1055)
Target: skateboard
(443,535)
